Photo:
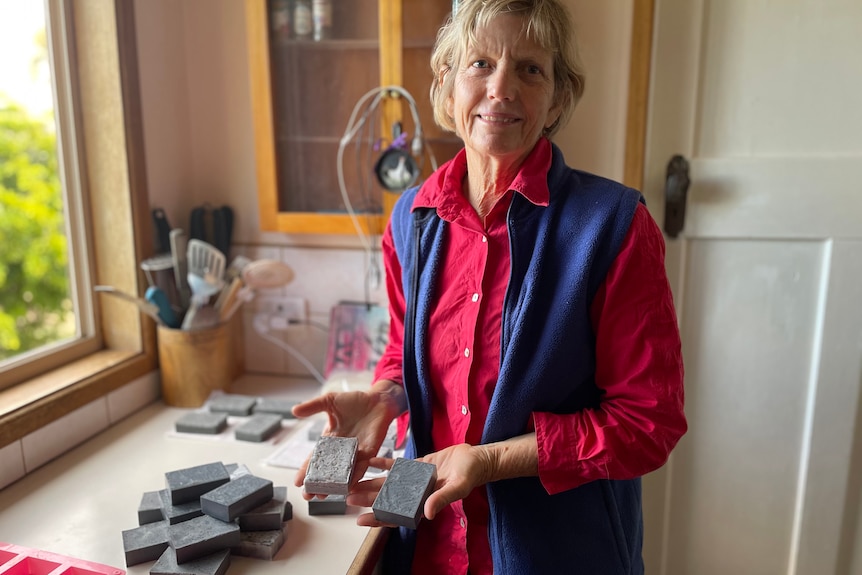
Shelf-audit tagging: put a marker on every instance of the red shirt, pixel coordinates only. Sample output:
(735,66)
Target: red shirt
(464,334)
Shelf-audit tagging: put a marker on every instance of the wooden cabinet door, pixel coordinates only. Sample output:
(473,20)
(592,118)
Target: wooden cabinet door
(306,93)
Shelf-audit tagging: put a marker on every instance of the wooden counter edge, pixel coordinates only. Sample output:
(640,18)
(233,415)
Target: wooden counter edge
(369,552)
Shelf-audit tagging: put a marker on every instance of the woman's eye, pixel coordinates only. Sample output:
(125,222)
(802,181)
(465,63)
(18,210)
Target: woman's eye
(534,70)
(480,64)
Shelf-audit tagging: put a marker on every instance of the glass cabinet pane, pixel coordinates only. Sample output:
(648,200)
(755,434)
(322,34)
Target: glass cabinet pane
(421,21)
(318,73)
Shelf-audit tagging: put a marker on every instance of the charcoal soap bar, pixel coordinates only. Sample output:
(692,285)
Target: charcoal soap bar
(402,497)
(201,422)
(232,404)
(330,466)
(260,544)
(227,502)
(266,517)
(215,564)
(202,536)
(332,505)
(185,485)
(145,543)
(259,427)
(150,508)
(181,511)
(282,407)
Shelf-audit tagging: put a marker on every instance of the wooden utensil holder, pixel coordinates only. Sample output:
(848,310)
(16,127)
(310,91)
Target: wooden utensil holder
(196,362)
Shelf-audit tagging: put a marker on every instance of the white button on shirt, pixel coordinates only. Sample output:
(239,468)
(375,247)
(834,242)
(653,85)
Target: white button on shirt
(467,352)
(463,410)
(475,297)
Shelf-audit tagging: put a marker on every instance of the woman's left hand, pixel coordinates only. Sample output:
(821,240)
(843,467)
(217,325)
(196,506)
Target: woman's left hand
(460,469)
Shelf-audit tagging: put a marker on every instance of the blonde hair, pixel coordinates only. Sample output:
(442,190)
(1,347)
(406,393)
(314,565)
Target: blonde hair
(546,22)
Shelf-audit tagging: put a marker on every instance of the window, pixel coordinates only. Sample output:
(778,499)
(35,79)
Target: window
(99,162)
(44,312)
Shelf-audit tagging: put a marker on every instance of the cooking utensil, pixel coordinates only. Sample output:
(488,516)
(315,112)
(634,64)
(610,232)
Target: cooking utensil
(204,260)
(228,295)
(162,230)
(258,274)
(156,264)
(179,247)
(212,225)
(206,270)
(148,308)
(266,274)
(159,298)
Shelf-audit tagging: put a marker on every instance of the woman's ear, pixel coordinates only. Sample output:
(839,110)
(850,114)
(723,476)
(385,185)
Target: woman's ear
(554,115)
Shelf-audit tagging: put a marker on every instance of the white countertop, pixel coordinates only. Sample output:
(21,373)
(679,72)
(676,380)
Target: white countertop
(79,504)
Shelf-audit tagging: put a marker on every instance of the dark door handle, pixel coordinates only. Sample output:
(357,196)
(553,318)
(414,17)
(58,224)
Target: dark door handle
(675,193)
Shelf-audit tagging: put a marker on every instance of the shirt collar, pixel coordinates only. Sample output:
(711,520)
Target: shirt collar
(443,189)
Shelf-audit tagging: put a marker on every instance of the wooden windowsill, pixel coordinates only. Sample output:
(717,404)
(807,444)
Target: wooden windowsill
(36,403)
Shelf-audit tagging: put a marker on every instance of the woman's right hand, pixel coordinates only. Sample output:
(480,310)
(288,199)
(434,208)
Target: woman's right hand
(365,415)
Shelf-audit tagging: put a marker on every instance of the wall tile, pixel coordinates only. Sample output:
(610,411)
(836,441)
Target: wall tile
(60,436)
(11,464)
(133,396)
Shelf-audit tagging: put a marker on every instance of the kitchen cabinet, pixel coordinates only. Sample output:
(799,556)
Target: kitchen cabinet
(304,88)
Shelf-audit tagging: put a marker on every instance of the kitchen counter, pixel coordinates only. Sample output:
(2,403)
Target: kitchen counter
(79,504)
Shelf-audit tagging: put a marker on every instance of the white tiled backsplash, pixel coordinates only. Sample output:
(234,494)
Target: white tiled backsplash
(322,278)
(34,450)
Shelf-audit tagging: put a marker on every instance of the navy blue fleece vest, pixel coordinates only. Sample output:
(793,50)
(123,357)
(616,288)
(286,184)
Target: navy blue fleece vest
(560,255)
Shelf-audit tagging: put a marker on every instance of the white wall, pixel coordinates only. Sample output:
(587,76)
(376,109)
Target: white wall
(200,147)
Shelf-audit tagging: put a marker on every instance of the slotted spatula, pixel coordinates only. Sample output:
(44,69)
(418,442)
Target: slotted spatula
(205,275)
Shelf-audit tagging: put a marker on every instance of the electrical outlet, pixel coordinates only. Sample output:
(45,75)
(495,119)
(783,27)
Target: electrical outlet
(291,309)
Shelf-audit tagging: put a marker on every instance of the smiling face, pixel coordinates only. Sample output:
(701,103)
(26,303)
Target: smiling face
(503,96)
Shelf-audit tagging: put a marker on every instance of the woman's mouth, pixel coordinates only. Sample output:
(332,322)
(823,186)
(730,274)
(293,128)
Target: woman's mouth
(500,120)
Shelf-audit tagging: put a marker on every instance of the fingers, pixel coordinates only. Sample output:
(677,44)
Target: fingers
(299,479)
(434,504)
(312,406)
(368,520)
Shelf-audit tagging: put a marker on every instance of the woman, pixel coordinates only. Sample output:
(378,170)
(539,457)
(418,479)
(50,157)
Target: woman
(533,341)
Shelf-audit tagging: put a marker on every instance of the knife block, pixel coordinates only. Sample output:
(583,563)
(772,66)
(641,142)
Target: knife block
(196,362)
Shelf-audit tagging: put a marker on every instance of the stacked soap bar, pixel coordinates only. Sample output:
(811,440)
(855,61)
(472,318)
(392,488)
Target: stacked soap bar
(264,416)
(205,514)
(18,560)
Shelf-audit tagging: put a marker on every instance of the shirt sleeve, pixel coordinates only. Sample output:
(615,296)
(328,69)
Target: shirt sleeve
(391,361)
(639,369)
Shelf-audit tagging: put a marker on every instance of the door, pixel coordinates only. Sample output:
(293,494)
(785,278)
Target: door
(764,99)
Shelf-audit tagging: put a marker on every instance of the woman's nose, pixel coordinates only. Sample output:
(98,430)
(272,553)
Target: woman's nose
(502,84)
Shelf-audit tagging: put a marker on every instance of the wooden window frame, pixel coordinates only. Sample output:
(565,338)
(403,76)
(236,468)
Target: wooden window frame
(116,203)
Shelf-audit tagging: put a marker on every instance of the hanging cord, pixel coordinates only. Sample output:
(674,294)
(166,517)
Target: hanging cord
(262,329)
(418,147)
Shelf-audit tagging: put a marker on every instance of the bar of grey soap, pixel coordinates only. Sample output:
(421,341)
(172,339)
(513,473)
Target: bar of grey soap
(266,517)
(404,492)
(229,501)
(332,505)
(215,564)
(202,422)
(150,508)
(202,536)
(282,407)
(231,403)
(260,544)
(330,466)
(181,511)
(145,543)
(185,485)
(259,427)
